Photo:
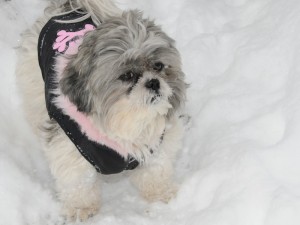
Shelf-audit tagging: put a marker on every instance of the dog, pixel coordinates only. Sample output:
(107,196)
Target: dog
(104,91)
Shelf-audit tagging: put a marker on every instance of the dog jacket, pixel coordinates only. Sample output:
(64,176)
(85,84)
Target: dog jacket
(56,39)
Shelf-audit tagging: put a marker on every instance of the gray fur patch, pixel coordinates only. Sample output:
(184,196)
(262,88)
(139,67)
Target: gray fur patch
(50,130)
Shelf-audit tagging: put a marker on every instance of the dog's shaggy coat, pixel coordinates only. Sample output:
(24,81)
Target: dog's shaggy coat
(126,78)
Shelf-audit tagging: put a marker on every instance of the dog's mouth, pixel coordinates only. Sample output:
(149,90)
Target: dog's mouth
(160,103)
(155,99)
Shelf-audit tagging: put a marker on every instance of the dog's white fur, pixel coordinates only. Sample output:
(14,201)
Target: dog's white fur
(77,182)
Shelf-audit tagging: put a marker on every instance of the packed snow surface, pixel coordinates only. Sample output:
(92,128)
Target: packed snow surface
(240,163)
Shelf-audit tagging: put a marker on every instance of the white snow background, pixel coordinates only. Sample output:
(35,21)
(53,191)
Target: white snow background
(240,163)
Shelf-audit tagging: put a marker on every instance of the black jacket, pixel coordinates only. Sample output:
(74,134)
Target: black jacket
(105,159)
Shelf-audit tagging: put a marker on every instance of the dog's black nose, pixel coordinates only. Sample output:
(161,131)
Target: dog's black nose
(153,84)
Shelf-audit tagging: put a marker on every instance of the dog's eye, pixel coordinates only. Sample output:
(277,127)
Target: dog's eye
(158,66)
(127,76)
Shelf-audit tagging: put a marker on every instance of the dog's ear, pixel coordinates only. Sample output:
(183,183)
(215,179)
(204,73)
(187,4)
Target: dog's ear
(76,82)
(76,89)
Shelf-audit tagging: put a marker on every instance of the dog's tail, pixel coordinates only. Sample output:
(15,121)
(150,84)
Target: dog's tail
(98,10)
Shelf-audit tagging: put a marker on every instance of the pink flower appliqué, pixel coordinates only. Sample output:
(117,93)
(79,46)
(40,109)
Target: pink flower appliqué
(66,39)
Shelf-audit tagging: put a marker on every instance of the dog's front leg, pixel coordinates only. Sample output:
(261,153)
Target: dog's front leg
(80,195)
(77,182)
(154,181)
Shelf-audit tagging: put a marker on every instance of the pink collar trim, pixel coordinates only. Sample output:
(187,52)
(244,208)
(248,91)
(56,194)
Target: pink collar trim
(86,125)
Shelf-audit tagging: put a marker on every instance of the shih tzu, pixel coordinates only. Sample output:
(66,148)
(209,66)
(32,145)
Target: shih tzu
(103,89)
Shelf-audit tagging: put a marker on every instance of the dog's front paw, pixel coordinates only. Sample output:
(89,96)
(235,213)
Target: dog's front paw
(73,214)
(163,193)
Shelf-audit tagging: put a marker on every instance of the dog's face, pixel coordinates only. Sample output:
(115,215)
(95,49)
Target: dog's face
(127,70)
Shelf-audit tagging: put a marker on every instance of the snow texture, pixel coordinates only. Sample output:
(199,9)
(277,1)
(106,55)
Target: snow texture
(240,161)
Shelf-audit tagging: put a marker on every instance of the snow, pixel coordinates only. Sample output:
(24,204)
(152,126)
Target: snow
(240,161)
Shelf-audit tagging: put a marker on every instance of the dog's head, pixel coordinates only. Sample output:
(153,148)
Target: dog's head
(126,71)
